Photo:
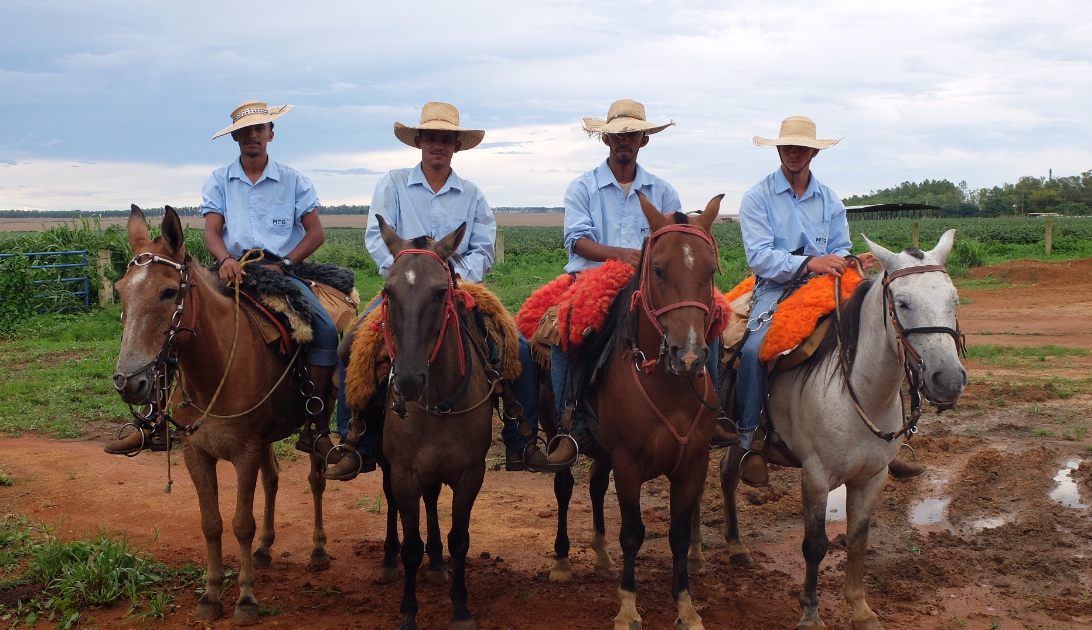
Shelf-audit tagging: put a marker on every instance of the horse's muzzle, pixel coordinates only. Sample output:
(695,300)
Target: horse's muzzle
(945,386)
(134,389)
(686,361)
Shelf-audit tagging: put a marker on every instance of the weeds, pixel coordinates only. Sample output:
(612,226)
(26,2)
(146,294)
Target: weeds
(373,504)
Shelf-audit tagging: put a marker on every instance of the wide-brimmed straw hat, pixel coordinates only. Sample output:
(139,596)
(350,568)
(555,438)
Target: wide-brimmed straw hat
(443,117)
(253,113)
(623,116)
(797,131)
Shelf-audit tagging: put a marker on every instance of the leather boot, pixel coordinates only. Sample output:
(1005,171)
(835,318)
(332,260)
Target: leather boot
(564,454)
(752,468)
(901,469)
(723,437)
(351,462)
(140,439)
(315,434)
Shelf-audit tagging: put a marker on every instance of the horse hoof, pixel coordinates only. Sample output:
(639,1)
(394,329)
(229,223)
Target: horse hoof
(320,561)
(682,625)
(603,573)
(408,623)
(695,566)
(742,560)
(464,624)
(246,613)
(208,611)
(811,624)
(627,625)
(872,623)
(436,576)
(387,575)
(562,571)
(262,559)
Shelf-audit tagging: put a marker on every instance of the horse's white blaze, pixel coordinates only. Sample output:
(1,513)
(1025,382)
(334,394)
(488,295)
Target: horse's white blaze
(411,277)
(688,256)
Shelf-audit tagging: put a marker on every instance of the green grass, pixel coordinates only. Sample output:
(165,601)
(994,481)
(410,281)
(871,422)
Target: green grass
(996,352)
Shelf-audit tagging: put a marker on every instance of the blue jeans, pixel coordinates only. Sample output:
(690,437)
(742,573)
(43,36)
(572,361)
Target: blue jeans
(323,350)
(751,380)
(344,414)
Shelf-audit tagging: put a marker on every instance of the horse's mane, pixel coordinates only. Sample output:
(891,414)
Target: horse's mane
(212,280)
(849,326)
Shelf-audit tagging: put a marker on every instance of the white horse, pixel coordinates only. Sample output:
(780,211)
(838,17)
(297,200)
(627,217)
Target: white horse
(903,325)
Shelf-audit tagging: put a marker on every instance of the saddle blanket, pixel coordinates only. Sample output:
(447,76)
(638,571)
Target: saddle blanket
(370,350)
(797,315)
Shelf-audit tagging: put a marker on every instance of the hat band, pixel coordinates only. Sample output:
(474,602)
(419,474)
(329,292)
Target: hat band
(249,111)
(612,118)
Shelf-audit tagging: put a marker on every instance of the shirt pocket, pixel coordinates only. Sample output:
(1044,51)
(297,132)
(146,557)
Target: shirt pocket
(819,238)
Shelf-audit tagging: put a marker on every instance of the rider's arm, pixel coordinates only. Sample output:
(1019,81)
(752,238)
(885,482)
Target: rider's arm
(478,258)
(384,204)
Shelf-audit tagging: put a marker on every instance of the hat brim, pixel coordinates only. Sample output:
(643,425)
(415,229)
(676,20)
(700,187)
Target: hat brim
(596,127)
(256,119)
(469,137)
(796,141)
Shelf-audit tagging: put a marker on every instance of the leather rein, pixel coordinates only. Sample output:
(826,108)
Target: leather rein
(450,318)
(640,364)
(913,364)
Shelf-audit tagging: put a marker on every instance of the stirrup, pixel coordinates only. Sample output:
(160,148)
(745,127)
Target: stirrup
(143,439)
(913,453)
(555,441)
(339,448)
(548,467)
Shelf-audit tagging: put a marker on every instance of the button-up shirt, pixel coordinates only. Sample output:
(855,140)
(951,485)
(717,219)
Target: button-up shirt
(266,215)
(775,222)
(596,207)
(408,204)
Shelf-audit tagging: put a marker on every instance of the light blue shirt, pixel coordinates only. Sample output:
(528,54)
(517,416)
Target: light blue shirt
(265,215)
(775,222)
(597,208)
(407,203)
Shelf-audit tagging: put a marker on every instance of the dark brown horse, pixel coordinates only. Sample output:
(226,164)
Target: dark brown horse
(654,405)
(178,322)
(438,423)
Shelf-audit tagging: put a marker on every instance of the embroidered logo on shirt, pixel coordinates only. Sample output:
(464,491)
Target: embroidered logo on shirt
(280,223)
(820,240)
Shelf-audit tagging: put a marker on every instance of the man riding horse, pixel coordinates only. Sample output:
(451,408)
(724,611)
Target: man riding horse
(257,203)
(431,200)
(790,222)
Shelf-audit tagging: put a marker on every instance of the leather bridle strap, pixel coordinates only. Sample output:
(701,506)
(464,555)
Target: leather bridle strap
(682,440)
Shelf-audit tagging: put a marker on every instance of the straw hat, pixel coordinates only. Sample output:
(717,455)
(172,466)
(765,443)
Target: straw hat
(253,113)
(623,116)
(797,131)
(443,117)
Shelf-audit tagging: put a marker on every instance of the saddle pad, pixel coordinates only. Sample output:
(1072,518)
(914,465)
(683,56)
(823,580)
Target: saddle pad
(798,314)
(369,349)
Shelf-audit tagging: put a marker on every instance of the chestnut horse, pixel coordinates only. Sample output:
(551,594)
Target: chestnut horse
(177,321)
(841,416)
(654,406)
(439,419)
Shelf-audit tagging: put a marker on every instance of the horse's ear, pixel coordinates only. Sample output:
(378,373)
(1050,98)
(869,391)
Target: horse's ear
(137,227)
(172,230)
(887,258)
(655,219)
(394,242)
(449,244)
(944,247)
(709,215)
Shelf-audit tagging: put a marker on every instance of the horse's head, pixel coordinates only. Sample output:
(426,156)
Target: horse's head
(151,298)
(921,309)
(417,296)
(677,271)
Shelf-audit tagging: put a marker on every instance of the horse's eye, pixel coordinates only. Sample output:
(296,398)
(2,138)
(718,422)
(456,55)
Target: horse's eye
(659,272)
(168,294)
(903,304)
(440,295)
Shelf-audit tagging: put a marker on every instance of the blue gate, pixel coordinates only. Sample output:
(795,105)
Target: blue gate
(80,285)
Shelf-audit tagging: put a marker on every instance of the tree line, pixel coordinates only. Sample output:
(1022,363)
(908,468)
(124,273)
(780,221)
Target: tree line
(193,211)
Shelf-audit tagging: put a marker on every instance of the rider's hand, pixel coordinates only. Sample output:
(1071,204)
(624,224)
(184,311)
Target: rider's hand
(831,263)
(230,272)
(631,257)
(868,261)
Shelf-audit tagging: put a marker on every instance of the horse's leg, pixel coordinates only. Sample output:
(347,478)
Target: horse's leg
(409,509)
(320,559)
(729,481)
(627,483)
(685,498)
(246,476)
(202,467)
(695,559)
(270,474)
(388,570)
(562,571)
(434,546)
(597,488)
(860,499)
(814,493)
(464,492)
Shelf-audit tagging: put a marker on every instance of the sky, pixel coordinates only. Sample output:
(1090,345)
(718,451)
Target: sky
(108,103)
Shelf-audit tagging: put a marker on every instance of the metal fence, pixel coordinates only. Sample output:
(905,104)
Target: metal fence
(81,285)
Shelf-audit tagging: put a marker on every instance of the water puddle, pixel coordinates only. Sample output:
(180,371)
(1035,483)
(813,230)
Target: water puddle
(836,504)
(1066,493)
(929,512)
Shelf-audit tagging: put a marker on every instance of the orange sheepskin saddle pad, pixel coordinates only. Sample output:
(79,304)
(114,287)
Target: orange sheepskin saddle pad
(798,315)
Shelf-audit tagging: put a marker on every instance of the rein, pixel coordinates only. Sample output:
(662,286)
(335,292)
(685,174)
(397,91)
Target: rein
(911,360)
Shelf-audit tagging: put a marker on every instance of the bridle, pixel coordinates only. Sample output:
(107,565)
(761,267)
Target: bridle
(450,318)
(913,364)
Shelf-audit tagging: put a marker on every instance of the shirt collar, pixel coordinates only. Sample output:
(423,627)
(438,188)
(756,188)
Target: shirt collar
(781,184)
(417,176)
(604,177)
(235,171)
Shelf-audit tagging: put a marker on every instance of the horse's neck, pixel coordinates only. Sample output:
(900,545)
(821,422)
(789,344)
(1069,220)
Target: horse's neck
(445,373)
(876,367)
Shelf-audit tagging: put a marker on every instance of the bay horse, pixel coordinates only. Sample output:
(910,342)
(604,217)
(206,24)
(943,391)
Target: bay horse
(654,407)
(438,421)
(844,428)
(177,321)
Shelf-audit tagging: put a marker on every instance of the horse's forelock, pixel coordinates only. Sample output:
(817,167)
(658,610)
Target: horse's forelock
(915,252)
(420,242)
(680,218)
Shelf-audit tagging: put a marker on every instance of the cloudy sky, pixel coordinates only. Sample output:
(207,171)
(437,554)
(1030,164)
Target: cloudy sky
(107,103)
